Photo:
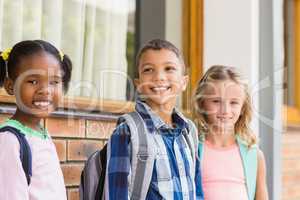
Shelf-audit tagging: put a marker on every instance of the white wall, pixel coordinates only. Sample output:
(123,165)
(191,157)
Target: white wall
(231,37)
(231,33)
(174,22)
(173,27)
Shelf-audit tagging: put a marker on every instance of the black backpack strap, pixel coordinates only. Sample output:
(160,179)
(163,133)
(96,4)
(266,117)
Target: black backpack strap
(100,187)
(93,176)
(25,151)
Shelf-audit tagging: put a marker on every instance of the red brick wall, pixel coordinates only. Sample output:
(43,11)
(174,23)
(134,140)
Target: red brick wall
(291,164)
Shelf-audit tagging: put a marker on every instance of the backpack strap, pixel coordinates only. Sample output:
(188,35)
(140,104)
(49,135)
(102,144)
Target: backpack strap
(249,158)
(142,158)
(93,176)
(25,151)
(192,138)
(103,159)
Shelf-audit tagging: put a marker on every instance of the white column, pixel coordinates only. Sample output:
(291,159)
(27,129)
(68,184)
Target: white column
(231,38)
(271,97)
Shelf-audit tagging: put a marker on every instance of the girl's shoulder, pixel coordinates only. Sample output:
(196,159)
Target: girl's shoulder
(260,155)
(9,143)
(43,134)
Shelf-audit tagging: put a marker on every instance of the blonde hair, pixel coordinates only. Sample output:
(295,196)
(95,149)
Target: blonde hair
(224,73)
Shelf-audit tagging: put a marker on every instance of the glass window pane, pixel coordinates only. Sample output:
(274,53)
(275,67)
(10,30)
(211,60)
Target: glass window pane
(98,35)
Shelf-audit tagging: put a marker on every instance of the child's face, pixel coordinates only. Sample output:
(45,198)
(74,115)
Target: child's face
(38,85)
(161,78)
(223,102)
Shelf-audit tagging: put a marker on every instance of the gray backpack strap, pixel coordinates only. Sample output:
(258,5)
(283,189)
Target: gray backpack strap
(192,141)
(142,157)
(192,138)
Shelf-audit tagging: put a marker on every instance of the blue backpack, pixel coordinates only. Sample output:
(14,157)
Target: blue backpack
(25,151)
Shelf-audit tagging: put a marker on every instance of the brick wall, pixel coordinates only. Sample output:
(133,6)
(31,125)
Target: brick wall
(291,163)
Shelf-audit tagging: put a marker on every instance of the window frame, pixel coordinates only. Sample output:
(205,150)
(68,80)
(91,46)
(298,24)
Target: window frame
(192,48)
(293,112)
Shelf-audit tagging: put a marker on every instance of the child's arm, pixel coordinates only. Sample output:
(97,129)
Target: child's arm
(12,177)
(261,184)
(118,167)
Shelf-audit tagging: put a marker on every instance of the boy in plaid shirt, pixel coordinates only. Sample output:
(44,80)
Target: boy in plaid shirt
(175,173)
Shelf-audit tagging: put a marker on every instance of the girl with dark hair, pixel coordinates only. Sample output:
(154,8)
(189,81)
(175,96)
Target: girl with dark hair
(37,74)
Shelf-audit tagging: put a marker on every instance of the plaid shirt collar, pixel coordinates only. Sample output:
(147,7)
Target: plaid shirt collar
(154,122)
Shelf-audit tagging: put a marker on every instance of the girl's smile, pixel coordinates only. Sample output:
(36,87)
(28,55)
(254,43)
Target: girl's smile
(223,105)
(38,85)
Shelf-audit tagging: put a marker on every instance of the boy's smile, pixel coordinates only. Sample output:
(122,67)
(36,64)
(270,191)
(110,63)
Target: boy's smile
(161,78)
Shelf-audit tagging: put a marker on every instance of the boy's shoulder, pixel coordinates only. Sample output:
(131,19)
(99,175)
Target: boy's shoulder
(129,123)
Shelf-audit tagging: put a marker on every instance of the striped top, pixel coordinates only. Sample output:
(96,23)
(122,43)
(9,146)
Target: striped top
(173,175)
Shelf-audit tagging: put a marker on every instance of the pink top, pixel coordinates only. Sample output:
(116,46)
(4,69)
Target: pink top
(47,180)
(223,173)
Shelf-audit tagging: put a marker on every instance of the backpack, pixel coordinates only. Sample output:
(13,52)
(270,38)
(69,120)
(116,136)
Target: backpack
(94,172)
(93,176)
(25,151)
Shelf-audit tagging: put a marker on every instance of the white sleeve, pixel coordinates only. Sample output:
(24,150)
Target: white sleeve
(13,183)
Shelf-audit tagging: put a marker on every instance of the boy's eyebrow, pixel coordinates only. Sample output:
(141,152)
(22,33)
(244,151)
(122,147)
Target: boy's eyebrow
(170,62)
(145,64)
(167,62)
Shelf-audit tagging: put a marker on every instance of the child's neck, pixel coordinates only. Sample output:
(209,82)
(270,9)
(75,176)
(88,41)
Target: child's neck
(166,117)
(31,122)
(221,139)
(164,111)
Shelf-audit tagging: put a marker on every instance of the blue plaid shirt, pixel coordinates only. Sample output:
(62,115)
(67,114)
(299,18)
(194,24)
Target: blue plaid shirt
(180,185)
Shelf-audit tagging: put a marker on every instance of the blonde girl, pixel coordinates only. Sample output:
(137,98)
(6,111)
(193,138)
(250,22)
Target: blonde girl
(232,165)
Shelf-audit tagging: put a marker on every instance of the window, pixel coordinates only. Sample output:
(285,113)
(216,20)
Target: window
(98,35)
(292,60)
(101,37)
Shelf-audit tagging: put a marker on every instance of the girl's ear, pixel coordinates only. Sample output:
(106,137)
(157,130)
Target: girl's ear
(9,86)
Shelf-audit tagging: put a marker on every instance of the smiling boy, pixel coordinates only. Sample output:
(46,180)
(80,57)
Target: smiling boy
(173,175)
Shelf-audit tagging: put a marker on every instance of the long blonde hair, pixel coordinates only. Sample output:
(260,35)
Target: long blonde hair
(224,73)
